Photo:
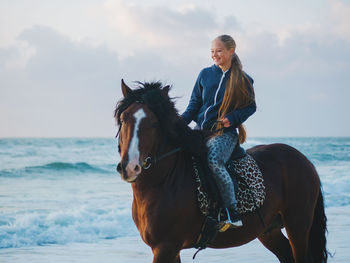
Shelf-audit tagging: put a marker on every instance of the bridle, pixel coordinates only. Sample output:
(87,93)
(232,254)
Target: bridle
(148,161)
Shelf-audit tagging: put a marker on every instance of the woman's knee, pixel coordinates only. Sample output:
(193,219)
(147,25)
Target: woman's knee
(213,162)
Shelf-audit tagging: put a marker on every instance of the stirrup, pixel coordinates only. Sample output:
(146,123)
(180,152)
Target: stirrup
(224,225)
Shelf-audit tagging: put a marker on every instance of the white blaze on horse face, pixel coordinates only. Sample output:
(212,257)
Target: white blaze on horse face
(133,168)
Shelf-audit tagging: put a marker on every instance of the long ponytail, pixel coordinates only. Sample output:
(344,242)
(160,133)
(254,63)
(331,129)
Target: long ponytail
(239,92)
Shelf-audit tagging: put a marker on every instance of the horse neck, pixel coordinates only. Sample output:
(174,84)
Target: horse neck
(169,174)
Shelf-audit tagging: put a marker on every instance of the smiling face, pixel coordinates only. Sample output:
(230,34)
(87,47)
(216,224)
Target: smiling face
(221,55)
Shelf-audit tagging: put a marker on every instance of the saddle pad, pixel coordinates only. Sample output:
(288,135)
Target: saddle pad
(251,189)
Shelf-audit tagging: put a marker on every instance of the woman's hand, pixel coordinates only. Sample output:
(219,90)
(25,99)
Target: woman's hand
(225,122)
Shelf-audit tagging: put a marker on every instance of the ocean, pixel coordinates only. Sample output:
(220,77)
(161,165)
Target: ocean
(61,200)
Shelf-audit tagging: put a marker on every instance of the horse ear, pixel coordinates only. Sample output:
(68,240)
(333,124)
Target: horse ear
(125,89)
(165,90)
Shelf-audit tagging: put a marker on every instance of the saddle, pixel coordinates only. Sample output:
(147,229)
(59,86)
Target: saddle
(249,183)
(249,189)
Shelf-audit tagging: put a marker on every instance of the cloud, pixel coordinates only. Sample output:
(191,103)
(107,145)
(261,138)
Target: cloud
(159,26)
(305,79)
(188,29)
(62,89)
(340,15)
(69,88)
(17,56)
(52,85)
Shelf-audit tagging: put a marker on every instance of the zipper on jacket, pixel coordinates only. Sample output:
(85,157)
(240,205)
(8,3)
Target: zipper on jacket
(215,97)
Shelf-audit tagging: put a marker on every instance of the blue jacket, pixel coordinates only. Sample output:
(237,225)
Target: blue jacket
(207,96)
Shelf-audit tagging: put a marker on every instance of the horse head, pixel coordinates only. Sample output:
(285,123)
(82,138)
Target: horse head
(138,132)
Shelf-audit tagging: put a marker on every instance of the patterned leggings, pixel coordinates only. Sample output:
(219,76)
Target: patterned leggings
(220,149)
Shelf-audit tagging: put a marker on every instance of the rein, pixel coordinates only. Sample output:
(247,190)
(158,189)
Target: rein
(148,161)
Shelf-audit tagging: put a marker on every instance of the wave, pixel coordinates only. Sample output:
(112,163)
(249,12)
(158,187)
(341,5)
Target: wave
(54,167)
(62,166)
(85,225)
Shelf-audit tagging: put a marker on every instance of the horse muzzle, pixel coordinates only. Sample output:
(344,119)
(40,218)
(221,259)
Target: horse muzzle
(129,171)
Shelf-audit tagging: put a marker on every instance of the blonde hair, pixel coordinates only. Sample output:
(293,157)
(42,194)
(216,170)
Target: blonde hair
(239,92)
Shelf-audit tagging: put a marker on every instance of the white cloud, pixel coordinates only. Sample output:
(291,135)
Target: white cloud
(156,27)
(20,57)
(340,14)
(173,32)
(69,85)
(65,88)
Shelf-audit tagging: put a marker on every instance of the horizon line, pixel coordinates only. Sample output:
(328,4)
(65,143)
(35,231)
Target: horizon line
(113,137)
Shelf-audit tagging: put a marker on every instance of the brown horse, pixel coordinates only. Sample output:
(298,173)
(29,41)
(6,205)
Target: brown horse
(156,147)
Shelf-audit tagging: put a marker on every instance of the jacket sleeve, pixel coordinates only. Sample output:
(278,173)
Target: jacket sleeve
(195,102)
(239,116)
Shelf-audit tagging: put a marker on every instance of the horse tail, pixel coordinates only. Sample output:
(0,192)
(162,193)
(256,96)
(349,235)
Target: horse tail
(317,239)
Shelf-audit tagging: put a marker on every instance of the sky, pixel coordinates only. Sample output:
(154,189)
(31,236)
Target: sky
(61,62)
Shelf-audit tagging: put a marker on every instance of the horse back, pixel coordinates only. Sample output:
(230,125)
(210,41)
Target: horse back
(279,154)
(286,170)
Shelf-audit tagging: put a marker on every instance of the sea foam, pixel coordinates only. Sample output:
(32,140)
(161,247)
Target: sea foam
(85,224)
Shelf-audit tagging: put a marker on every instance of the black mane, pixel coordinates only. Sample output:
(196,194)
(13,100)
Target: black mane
(172,126)
(152,95)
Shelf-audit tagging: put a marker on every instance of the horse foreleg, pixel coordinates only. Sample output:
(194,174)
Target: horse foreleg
(166,254)
(278,244)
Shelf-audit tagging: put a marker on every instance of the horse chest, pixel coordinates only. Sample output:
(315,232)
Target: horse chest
(148,220)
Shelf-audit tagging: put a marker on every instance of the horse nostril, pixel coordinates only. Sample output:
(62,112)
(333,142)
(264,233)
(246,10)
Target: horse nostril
(137,168)
(119,168)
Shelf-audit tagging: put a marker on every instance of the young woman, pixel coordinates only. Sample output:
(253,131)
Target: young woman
(222,99)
